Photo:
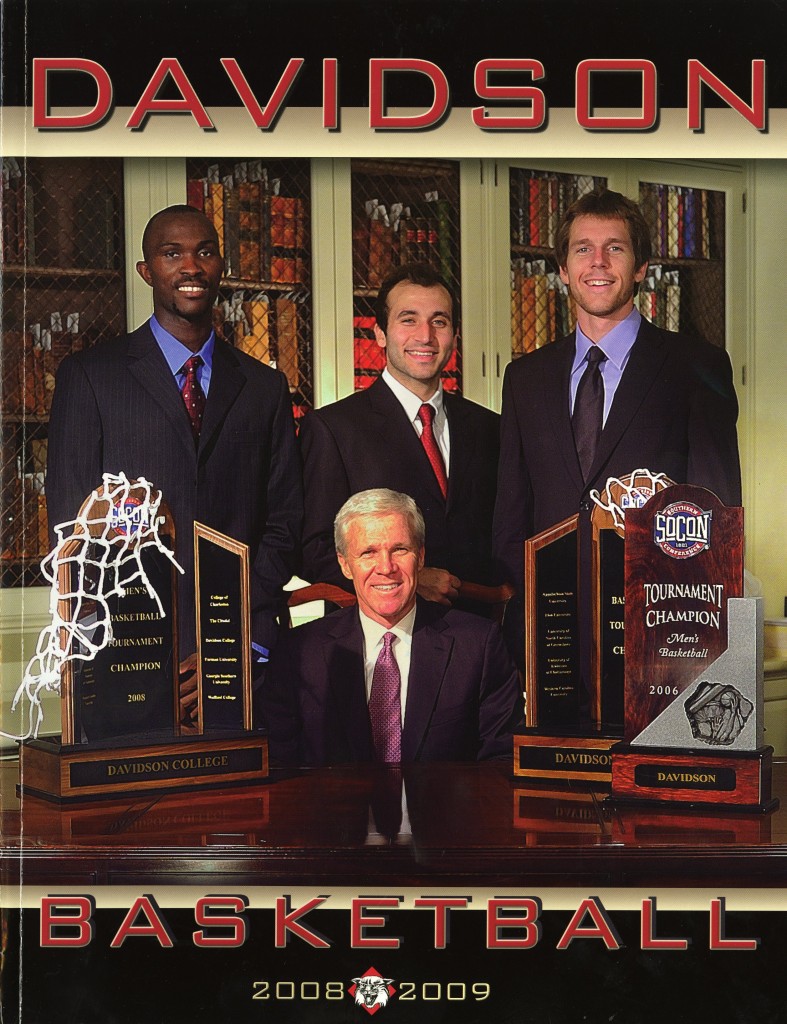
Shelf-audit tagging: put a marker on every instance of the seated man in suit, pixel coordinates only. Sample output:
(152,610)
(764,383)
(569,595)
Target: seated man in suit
(205,424)
(396,678)
(406,433)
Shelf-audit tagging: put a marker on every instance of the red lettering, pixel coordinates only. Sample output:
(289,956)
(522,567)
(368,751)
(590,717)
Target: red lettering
(330,94)
(69,914)
(188,103)
(718,929)
(441,907)
(204,915)
(601,928)
(584,103)
(648,939)
(379,67)
(263,117)
(41,116)
(288,920)
(497,923)
(156,926)
(483,119)
(359,923)
(699,75)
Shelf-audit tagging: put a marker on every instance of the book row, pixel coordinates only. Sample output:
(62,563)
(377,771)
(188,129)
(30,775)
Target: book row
(538,201)
(263,234)
(685,223)
(386,236)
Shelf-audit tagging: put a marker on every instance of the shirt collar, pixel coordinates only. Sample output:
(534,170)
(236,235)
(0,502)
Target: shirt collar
(412,403)
(373,632)
(175,352)
(616,344)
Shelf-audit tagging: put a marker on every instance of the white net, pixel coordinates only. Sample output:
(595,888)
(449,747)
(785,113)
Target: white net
(97,556)
(631,491)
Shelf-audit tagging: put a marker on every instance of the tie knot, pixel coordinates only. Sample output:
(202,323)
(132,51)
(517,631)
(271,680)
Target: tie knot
(596,355)
(388,639)
(426,414)
(191,365)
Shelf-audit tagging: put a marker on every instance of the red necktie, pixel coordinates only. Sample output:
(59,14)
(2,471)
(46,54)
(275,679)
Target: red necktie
(385,705)
(193,395)
(426,416)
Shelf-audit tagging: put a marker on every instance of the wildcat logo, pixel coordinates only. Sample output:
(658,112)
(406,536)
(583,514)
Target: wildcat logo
(371,991)
(682,530)
(128,517)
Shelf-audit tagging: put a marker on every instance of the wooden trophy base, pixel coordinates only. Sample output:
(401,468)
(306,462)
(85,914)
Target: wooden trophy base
(69,774)
(731,780)
(584,758)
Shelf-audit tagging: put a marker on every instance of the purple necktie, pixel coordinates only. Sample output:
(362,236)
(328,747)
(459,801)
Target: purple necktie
(588,414)
(385,705)
(426,416)
(193,395)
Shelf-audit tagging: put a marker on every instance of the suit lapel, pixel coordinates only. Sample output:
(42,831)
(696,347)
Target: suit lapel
(463,445)
(149,368)
(646,359)
(344,660)
(226,383)
(429,656)
(392,424)
(554,386)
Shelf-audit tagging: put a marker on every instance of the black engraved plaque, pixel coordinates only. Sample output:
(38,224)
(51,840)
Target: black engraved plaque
(126,688)
(552,628)
(223,645)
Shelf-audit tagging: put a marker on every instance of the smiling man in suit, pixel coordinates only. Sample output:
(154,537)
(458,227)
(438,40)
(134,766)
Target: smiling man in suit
(617,395)
(406,433)
(396,678)
(207,425)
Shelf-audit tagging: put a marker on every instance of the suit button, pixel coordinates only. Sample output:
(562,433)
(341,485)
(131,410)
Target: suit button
(584,505)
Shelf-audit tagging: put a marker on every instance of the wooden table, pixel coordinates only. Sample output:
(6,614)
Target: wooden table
(469,824)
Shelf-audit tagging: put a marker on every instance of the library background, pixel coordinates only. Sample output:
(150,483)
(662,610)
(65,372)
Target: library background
(306,244)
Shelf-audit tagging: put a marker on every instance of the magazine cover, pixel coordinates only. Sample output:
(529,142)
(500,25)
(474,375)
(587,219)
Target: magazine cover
(156,863)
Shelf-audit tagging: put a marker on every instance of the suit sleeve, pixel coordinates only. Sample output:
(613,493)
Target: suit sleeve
(75,445)
(501,710)
(326,488)
(277,552)
(276,705)
(513,519)
(713,460)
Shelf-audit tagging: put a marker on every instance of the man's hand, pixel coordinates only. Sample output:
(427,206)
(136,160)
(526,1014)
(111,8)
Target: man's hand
(438,585)
(187,686)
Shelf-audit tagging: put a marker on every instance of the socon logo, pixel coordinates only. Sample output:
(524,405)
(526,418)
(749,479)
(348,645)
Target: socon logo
(682,530)
(127,516)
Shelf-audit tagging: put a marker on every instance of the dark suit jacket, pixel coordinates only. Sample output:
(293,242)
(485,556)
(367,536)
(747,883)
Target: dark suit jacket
(366,441)
(463,695)
(674,412)
(116,408)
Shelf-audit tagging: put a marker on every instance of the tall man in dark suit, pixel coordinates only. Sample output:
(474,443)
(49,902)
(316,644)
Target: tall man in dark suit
(406,433)
(397,678)
(213,433)
(662,401)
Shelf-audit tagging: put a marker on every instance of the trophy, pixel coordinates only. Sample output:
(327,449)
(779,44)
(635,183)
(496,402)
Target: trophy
(694,654)
(570,726)
(112,652)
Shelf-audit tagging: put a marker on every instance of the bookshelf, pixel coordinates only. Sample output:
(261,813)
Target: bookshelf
(261,212)
(63,290)
(402,212)
(684,289)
